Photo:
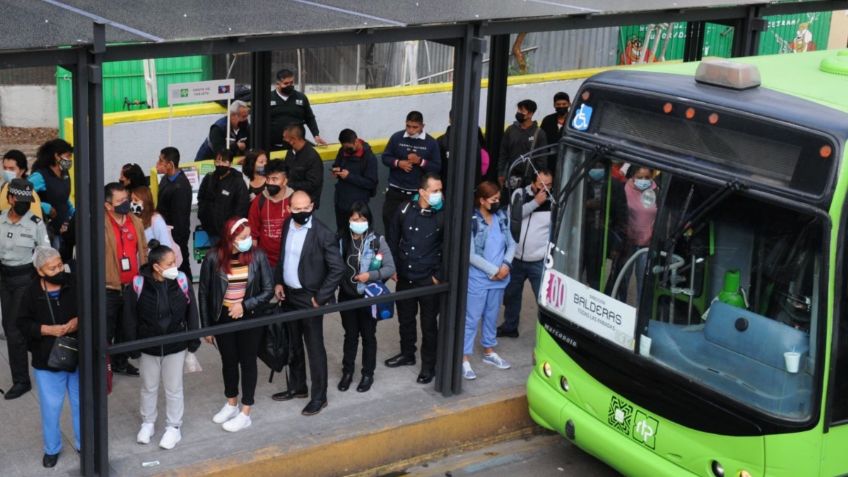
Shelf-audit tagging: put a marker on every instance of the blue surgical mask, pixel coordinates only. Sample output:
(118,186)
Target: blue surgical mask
(244,244)
(642,184)
(597,174)
(435,200)
(358,228)
(9,175)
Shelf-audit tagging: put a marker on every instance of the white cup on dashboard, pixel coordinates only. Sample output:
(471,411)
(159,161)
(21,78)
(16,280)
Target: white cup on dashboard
(793,361)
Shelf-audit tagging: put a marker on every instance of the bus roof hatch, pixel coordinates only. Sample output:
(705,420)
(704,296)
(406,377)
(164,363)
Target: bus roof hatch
(728,74)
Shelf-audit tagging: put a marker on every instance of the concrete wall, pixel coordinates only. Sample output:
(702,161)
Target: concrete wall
(376,118)
(32,106)
(838,30)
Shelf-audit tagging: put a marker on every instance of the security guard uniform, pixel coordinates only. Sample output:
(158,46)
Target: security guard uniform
(19,235)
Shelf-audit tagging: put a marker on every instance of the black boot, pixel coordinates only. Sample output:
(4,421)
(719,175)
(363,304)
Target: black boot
(365,383)
(344,383)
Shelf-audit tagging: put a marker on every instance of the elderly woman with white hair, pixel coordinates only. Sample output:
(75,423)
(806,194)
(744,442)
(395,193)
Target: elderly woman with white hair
(48,318)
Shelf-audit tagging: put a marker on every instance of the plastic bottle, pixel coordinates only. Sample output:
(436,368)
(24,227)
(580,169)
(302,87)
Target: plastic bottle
(376,262)
(730,293)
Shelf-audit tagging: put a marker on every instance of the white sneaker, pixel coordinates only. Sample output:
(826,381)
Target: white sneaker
(145,433)
(496,361)
(467,372)
(171,437)
(225,414)
(242,421)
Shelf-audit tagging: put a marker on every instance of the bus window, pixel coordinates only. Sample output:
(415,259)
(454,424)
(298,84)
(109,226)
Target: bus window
(732,296)
(702,279)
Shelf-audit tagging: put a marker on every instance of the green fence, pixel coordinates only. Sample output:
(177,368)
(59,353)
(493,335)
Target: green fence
(785,34)
(124,86)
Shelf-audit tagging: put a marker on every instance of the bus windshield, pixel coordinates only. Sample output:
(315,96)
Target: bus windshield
(704,280)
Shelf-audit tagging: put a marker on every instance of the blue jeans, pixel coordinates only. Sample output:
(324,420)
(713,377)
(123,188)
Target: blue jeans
(52,387)
(520,272)
(482,304)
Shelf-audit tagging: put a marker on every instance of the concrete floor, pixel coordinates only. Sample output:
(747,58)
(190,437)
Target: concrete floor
(394,400)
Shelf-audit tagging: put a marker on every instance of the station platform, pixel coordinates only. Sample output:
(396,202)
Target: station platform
(397,422)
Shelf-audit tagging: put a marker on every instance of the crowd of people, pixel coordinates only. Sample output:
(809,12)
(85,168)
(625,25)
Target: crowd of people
(269,252)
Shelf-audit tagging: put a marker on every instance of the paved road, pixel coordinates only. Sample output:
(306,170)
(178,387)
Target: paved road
(537,456)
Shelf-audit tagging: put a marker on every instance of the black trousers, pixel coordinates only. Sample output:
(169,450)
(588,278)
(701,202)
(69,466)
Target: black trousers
(185,267)
(310,331)
(238,353)
(12,288)
(407,310)
(359,323)
(394,198)
(342,221)
(114,325)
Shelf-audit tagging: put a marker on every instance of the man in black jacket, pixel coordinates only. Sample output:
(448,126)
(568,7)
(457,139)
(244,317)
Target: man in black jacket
(519,138)
(553,124)
(289,107)
(239,129)
(307,276)
(415,239)
(306,171)
(174,201)
(444,148)
(223,194)
(355,169)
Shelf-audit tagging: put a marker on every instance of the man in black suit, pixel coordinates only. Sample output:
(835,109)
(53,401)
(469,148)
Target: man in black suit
(307,275)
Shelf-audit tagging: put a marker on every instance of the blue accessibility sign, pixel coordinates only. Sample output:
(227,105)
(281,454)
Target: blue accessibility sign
(582,118)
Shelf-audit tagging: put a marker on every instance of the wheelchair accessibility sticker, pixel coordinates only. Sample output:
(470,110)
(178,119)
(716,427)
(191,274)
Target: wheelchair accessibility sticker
(582,118)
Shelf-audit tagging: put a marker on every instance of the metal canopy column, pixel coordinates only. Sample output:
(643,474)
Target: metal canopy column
(90,280)
(260,91)
(468,63)
(746,35)
(693,49)
(496,98)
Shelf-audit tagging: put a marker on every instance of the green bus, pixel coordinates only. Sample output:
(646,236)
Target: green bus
(693,318)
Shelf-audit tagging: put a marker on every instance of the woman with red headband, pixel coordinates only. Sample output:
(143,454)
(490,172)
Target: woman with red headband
(235,282)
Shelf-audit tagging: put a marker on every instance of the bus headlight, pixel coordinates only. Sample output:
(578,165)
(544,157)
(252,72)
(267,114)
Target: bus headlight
(546,368)
(744,473)
(718,470)
(563,383)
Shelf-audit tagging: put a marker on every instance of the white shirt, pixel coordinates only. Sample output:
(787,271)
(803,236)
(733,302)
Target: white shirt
(281,95)
(420,135)
(294,246)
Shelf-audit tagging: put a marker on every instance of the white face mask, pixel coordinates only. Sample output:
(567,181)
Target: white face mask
(244,244)
(9,175)
(171,273)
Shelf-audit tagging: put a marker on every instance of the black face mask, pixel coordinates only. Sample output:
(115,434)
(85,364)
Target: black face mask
(123,209)
(493,208)
(58,279)
(21,208)
(519,117)
(273,189)
(221,170)
(288,90)
(301,217)
(561,111)
(350,151)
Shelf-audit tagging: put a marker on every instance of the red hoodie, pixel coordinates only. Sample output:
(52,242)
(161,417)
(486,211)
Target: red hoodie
(266,224)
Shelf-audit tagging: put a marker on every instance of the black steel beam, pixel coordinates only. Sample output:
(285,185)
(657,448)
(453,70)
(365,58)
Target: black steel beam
(90,251)
(288,41)
(260,91)
(496,98)
(282,317)
(746,33)
(468,64)
(83,202)
(27,59)
(693,48)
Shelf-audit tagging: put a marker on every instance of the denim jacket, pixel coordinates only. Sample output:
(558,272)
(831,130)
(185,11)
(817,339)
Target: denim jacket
(479,234)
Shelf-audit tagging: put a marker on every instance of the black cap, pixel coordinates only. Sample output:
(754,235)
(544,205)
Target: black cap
(21,189)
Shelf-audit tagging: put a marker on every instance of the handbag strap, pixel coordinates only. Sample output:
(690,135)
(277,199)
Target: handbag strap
(50,306)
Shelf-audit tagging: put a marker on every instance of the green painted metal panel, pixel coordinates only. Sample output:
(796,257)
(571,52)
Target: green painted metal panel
(124,81)
(785,34)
